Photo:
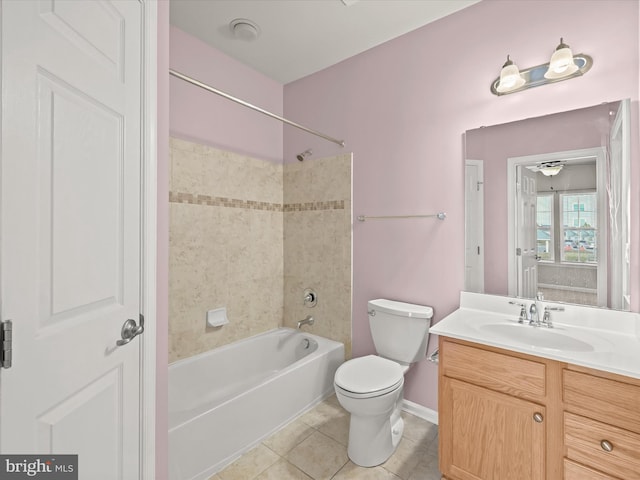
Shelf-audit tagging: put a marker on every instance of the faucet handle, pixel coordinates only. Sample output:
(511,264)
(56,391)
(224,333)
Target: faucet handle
(523,311)
(554,309)
(546,318)
(310,297)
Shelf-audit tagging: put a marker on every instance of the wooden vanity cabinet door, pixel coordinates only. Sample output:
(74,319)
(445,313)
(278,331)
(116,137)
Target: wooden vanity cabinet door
(489,435)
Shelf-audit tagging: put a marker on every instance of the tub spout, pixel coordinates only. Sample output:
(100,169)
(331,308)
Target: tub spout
(307,321)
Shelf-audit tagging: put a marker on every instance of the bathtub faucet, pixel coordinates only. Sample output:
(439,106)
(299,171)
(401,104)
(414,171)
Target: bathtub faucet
(307,321)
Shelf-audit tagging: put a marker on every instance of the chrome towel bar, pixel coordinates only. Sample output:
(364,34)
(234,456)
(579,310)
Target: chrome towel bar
(439,216)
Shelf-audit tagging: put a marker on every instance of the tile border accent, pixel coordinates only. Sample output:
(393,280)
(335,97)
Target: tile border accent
(213,201)
(308,206)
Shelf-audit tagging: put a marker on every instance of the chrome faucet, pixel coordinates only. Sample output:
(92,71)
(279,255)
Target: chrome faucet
(534,319)
(307,321)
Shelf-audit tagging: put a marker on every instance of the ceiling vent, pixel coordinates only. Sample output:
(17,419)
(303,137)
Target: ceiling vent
(243,29)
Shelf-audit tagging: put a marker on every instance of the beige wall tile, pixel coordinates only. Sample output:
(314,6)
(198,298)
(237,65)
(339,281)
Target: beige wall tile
(223,250)
(317,245)
(233,244)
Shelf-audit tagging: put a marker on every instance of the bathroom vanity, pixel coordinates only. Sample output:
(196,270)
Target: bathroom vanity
(530,402)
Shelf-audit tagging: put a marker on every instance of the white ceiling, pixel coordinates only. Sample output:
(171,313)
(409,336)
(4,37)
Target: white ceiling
(300,37)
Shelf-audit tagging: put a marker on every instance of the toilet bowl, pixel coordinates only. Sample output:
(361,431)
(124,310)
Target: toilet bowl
(370,388)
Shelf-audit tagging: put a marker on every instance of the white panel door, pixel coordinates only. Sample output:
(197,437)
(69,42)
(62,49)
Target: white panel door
(474,226)
(526,232)
(71,230)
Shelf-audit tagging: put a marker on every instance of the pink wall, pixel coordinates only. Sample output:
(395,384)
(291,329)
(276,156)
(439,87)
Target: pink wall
(402,108)
(207,118)
(162,287)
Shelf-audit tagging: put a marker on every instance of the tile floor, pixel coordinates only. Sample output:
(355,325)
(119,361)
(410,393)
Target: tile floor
(314,446)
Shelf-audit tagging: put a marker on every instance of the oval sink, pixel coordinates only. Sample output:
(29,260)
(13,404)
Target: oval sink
(540,337)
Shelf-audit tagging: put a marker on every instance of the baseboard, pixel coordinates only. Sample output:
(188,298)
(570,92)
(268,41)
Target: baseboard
(420,411)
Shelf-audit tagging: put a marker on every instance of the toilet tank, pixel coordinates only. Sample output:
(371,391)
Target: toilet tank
(400,330)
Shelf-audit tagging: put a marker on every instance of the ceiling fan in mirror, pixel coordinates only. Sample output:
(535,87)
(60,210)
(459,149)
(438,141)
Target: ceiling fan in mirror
(548,169)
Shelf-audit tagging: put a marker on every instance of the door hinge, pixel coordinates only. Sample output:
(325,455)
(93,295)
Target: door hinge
(519,252)
(6,333)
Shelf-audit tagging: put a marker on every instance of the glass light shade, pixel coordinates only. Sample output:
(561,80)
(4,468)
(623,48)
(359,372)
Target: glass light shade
(510,78)
(550,171)
(562,63)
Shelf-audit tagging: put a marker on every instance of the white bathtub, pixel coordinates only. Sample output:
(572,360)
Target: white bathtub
(225,401)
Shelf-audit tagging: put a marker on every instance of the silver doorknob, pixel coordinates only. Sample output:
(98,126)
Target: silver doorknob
(130,330)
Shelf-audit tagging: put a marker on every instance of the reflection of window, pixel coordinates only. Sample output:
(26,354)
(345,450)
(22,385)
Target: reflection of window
(544,222)
(578,212)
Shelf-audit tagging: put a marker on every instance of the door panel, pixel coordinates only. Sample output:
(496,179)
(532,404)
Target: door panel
(60,425)
(82,221)
(96,28)
(526,233)
(474,226)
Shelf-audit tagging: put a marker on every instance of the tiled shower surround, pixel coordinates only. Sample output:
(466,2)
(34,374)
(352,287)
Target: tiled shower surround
(251,235)
(317,245)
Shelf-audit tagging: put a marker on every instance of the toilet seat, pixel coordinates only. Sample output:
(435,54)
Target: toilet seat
(369,376)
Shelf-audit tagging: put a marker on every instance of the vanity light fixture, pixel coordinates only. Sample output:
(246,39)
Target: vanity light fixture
(510,78)
(563,65)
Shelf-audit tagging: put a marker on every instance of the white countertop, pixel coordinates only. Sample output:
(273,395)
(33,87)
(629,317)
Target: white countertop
(597,338)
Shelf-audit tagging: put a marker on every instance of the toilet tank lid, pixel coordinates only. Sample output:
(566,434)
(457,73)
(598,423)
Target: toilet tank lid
(400,308)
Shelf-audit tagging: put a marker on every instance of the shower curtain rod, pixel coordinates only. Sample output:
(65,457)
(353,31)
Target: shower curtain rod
(209,88)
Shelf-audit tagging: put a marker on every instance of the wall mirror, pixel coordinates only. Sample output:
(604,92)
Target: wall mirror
(547,207)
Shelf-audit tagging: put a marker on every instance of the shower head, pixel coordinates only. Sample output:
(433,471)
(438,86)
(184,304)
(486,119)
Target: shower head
(306,153)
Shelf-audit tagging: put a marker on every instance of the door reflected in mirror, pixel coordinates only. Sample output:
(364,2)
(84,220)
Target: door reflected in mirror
(547,207)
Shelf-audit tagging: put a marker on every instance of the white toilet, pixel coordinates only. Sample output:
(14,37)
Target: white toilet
(370,388)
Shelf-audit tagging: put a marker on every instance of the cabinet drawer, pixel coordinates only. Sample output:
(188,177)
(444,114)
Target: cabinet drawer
(503,373)
(609,401)
(575,471)
(583,439)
